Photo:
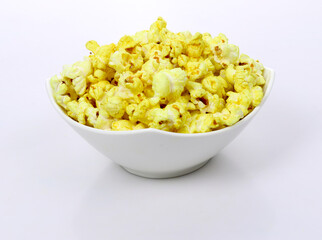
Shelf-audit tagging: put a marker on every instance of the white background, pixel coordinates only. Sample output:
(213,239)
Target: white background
(267,184)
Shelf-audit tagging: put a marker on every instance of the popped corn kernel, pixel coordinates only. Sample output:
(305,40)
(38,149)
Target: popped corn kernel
(169,83)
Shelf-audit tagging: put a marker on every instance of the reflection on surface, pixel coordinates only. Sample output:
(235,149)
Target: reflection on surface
(218,200)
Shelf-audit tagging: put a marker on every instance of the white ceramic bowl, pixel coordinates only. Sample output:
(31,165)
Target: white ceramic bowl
(154,153)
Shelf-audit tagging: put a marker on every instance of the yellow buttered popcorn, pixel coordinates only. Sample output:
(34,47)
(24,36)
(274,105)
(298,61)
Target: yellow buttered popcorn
(169,84)
(178,82)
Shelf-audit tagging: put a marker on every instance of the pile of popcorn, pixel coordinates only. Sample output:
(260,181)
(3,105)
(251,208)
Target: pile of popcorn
(175,82)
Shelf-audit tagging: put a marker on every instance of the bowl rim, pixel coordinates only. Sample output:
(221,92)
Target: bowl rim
(158,131)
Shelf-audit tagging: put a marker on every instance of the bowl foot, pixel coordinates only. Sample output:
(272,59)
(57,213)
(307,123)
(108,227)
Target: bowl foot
(166,174)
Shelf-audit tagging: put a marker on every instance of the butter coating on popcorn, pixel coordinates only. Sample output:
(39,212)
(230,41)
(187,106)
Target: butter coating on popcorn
(178,82)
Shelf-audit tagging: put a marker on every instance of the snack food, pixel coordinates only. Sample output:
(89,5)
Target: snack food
(175,82)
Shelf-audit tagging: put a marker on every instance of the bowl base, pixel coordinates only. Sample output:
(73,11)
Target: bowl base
(166,174)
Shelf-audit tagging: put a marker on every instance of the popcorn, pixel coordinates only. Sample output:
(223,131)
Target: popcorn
(155,29)
(257,95)
(167,119)
(122,125)
(132,82)
(195,46)
(176,82)
(215,85)
(138,112)
(169,84)
(115,106)
(196,69)
(82,111)
(202,123)
(78,72)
